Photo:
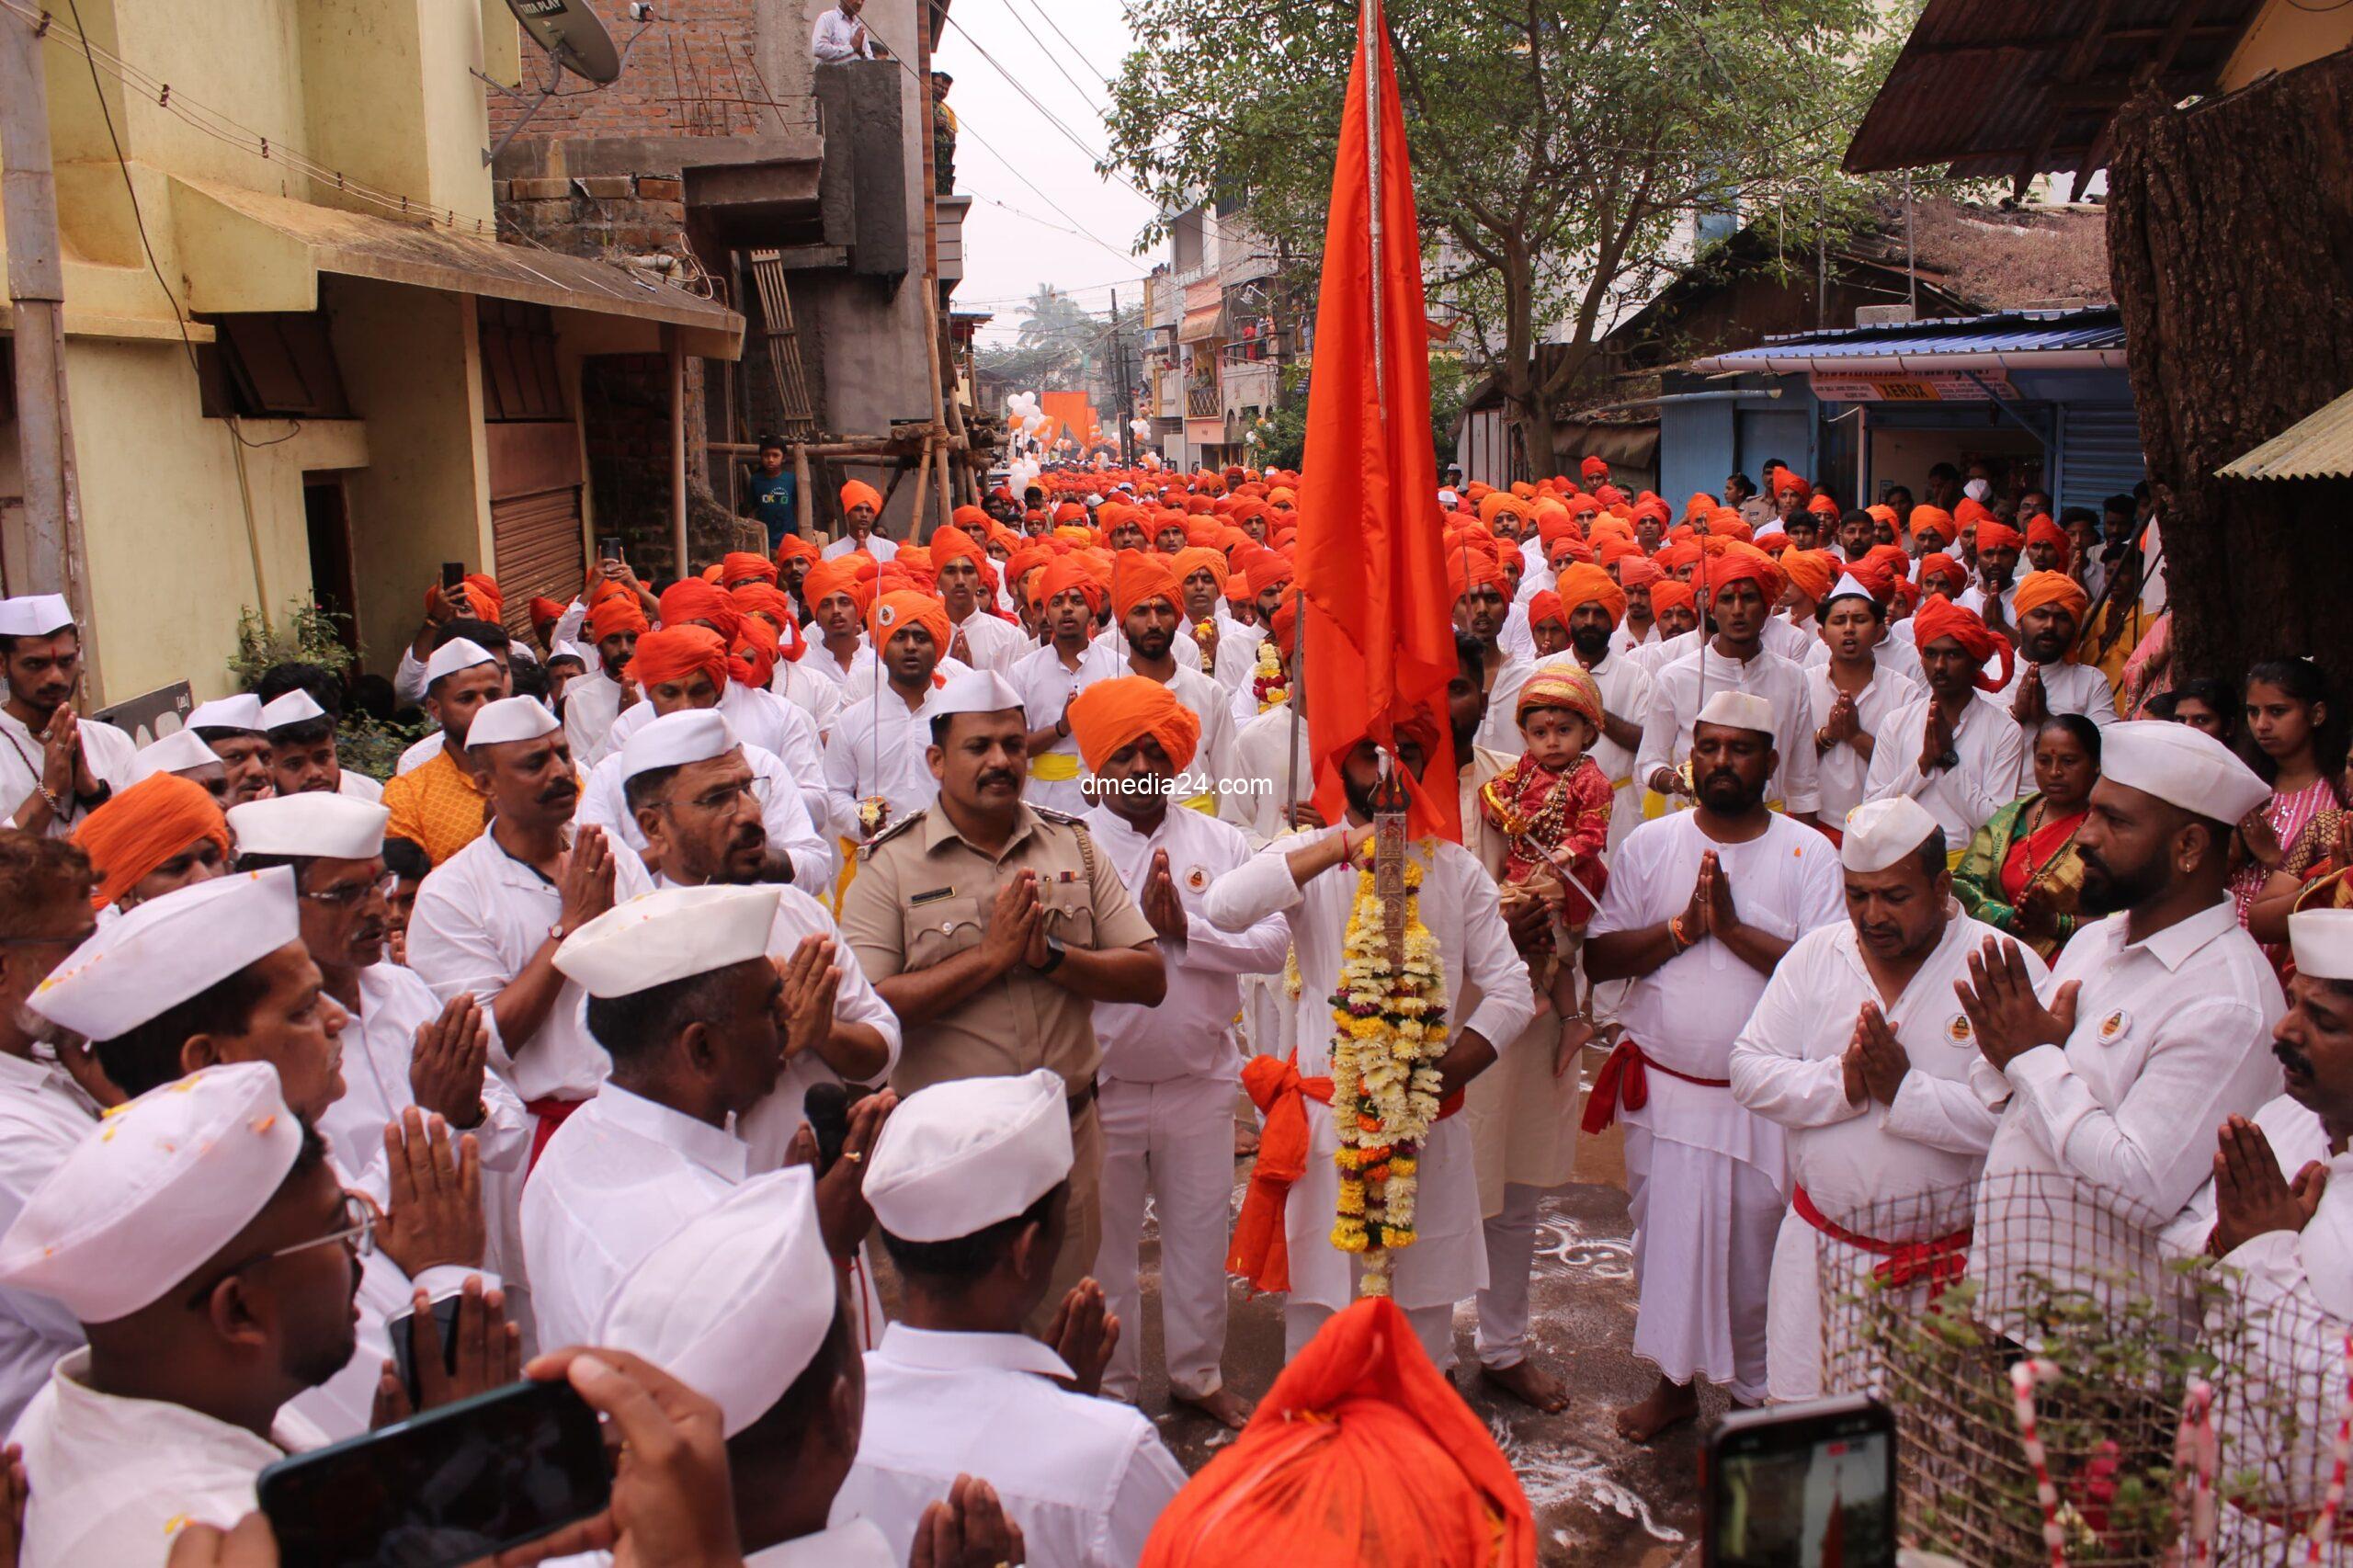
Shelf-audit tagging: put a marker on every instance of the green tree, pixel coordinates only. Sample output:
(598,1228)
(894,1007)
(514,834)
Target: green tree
(1561,147)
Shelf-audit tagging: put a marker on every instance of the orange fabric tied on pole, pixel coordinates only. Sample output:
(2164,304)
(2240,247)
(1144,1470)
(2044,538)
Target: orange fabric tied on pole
(1380,641)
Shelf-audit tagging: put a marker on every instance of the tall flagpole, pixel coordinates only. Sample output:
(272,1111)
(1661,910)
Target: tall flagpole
(1389,795)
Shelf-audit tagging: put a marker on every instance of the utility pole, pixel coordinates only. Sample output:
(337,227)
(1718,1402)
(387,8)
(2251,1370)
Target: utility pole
(37,293)
(1127,387)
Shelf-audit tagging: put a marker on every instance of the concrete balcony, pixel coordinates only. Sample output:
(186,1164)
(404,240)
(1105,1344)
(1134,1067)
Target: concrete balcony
(1202,403)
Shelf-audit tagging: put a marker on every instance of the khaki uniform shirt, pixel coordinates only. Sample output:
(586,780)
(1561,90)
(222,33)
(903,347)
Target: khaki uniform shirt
(922,895)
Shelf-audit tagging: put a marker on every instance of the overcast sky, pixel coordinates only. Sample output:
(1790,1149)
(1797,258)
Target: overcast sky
(1019,169)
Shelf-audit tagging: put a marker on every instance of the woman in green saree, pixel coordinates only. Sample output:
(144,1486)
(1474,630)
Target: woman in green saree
(2021,874)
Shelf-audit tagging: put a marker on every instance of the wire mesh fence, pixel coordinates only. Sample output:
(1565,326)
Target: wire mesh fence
(2126,1316)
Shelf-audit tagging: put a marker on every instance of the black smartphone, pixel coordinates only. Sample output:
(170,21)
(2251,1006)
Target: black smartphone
(1804,1485)
(454,574)
(450,1486)
(402,1329)
(608,547)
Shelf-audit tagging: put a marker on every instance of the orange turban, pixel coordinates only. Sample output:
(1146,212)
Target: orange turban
(1067,574)
(1283,625)
(1467,569)
(970,519)
(616,615)
(1994,534)
(1935,519)
(1786,479)
(1199,558)
(1890,559)
(1072,512)
(2042,530)
(1111,715)
(1268,569)
(1969,510)
(839,575)
(676,652)
(1583,584)
(1639,572)
(1942,565)
(902,607)
(480,592)
(1545,604)
(1881,512)
(1497,501)
(793,547)
(1615,548)
(949,543)
(2037,589)
(1361,1453)
(739,566)
(1742,565)
(544,610)
(858,492)
(695,599)
(1813,571)
(141,827)
(756,650)
(1593,468)
(1138,578)
(1822,505)
(1938,617)
(1673,593)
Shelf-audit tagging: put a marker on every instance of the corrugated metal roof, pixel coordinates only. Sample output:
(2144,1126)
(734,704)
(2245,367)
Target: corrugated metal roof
(2008,333)
(1988,86)
(2319,445)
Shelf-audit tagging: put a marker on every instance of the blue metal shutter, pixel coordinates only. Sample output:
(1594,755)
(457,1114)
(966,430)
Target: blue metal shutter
(2099,453)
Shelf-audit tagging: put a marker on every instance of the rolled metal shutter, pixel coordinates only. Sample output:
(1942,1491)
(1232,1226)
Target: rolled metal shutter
(537,536)
(2099,454)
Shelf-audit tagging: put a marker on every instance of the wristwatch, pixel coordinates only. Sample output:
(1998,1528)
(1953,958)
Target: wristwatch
(1055,952)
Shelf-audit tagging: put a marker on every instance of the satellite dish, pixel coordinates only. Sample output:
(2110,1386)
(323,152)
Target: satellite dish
(571,35)
(575,41)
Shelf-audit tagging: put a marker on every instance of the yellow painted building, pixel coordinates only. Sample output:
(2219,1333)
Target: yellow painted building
(351,381)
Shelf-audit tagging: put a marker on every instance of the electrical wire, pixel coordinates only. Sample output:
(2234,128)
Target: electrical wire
(1055,61)
(1100,162)
(1079,54)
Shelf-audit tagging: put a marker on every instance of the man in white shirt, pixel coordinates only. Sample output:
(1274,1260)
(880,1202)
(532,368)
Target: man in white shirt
(970,1184)
(302,757)
(167,1416)
(875,767)
(683,998)
(402,1047)
(1848,724)
(793,849)
(1144,598)
(1995,594)
(1169,1074)
(232,727)
(1312,882)
(217,974)
(830,590)
(841,36)
(55,765)
(1233,647)
(596,700)
(1854,1051)
(978,636)
(1047,678)
(1702,907)
(1951,748)
(1594,605)
(1734,659)
(2152,1026)
(45,886)
(2049,681)
(861,505)
(489,920)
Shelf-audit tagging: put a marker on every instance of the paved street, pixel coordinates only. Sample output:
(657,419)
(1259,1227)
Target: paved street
(1597,1499)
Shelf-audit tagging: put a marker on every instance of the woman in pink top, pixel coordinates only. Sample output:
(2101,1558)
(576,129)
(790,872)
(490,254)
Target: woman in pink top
(2299,746)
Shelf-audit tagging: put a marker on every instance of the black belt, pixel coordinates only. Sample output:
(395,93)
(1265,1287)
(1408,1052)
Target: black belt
(1081,1098)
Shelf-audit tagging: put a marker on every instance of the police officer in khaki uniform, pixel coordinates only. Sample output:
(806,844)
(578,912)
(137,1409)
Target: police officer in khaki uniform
(991,927)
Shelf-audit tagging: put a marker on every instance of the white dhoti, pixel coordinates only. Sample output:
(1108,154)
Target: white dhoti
(1172,1140)
(1433,1327)
(1523,1123)
(1705,1221)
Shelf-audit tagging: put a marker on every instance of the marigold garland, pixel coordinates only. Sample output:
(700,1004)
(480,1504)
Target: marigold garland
(1268,682)
(1389,1033)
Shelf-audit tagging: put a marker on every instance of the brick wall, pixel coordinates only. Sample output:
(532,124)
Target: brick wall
(681,79)
(625,426)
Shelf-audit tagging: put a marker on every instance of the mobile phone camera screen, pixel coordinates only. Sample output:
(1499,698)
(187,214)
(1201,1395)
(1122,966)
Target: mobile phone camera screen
(1826,1503)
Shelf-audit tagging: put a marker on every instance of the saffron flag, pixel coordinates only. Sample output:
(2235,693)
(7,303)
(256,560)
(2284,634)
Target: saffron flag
(1377,621)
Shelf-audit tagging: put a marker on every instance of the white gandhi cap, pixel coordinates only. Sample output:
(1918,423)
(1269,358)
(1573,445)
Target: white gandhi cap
(1738,710)
(974,691)
(2182,767)
(458,653)
(340,828)
(509,719)
(2322,940)
(35,614)
(1847,587)
(690,735)
(737,1302)
(182,751)
(669,934)
(242,712)
(297,707)
(154,1191)
(1880,833)
(167,950)
(958,1157)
